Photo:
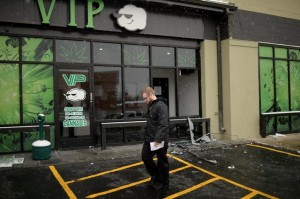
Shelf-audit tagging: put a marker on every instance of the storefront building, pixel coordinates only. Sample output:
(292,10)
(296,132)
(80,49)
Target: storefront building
(84,63)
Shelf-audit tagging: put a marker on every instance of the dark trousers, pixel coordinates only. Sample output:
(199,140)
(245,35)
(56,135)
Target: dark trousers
(158,171)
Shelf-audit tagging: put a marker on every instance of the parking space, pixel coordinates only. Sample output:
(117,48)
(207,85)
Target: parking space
(187,181)
(242,171)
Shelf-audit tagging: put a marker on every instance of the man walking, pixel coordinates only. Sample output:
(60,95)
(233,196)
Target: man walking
(156,134)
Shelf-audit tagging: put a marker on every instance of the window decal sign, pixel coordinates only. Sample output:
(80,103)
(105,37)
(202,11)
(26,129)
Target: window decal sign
(131,18)
(74,78)
(74,115)
(75,94)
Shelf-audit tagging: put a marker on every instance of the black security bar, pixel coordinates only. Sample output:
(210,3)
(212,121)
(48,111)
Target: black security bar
(9,129)
(265,117)
(106,125)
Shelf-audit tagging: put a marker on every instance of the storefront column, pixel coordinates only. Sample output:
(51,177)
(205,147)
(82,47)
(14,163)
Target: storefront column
(240,89)
(209,84)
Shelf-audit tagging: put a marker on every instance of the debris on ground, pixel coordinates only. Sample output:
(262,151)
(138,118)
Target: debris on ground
(277,135)
(177,152)
(9,160)
(204,138)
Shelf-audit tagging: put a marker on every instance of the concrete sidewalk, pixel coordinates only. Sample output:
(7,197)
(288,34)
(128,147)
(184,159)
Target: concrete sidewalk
(92,154)
(288,141)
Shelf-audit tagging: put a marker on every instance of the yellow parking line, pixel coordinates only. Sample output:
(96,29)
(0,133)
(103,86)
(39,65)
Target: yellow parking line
(250,195)
(225,179)
(62,183)
(263,147)
(130,185)
(188,165)
(248,188)
(105,172)
(192,188)
(117,189)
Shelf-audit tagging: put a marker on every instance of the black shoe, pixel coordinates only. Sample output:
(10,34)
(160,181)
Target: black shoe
(159,186)
(151,183)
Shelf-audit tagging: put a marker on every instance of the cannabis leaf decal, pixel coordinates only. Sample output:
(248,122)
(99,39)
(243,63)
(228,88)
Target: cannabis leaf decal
(136,57)
(73,54)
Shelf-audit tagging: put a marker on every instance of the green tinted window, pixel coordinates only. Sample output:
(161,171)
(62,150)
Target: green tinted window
(11,143)
(281,53)
(9,94)
(282,88)
(9,48)
(295,85)
(267,85)
(36,49)
(294,54)
(265,51)
(38,94)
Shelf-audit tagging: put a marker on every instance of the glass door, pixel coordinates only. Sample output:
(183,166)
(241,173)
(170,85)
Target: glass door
(74,107)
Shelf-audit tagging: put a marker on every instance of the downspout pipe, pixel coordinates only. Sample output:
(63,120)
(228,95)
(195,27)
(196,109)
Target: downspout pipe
(220,81)
(228,18)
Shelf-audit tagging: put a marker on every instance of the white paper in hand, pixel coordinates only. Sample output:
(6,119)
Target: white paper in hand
(159,146)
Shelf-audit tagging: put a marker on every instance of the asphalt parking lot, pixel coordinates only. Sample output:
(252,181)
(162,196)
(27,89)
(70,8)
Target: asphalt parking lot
(246,170)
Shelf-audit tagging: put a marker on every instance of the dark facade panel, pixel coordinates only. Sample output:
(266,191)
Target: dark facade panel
(105,37)
(265,28)
(160,21)
(210,25)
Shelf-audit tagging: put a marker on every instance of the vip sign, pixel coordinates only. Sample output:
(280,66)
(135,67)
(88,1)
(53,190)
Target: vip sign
(46,14)
(74,78)
(131,18)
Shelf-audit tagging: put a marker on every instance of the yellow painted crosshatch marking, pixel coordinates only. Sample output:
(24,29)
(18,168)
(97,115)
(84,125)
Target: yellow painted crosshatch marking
(65,184)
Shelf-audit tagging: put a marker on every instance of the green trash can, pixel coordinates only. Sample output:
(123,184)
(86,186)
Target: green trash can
(41,149)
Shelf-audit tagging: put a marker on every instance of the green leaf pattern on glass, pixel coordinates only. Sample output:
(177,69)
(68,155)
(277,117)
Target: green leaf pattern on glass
(266,86)
(37,49)
(284,79)
(9,94)
(9,48)
(10,142)
(295,92)
(37,86)
(282,95)
(294,54)
(37,92)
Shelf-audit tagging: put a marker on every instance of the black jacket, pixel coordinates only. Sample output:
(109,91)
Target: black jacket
(157,127)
